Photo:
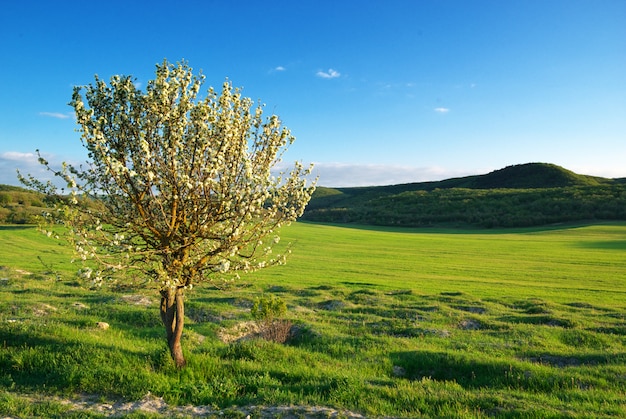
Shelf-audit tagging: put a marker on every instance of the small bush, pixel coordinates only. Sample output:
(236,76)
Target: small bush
(267,313)
(268,308)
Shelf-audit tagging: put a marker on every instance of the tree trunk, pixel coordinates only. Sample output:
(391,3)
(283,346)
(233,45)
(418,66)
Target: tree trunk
(173,318)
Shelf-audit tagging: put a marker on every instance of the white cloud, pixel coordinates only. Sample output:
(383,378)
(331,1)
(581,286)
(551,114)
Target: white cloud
(11,161)
(330,74)
(27,164)
(350,175)
(18,156)
(277,69)
(441,110)
(607,171)
(57,115)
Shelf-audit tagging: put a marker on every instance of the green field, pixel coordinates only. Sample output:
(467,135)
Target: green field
(390,323)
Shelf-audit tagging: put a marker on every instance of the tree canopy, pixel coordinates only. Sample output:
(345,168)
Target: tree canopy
(179,185)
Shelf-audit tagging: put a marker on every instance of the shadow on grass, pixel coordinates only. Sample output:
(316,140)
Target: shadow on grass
(467,372)
(16,227)
(23,339)
(241,303)
(604,244)
(540,320)
(493,374)
(611,330)
(35,362)
(467,229)
(563,361)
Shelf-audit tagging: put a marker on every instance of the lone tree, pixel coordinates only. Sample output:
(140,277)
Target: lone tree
(177,187)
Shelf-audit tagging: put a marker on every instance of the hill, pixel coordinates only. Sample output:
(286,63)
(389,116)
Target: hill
(19,205)
(535,175)
(520,195)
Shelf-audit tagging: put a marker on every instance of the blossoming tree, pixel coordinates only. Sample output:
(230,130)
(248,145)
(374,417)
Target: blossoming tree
(177,187)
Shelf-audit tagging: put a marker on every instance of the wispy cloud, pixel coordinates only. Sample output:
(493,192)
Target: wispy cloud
(57,115)
(27,164)
(351,175)
(11,161)
(277,69)
(598,170)
(330,74)
(441,110)
(18,156)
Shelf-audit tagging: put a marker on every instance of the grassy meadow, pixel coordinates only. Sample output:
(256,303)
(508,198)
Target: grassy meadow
(525,323)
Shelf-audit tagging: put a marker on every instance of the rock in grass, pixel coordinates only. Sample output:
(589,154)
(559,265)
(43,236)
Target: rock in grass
(398,371)
(102,325)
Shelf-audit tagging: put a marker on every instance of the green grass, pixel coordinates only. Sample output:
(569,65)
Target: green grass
(565,264)
(402,323)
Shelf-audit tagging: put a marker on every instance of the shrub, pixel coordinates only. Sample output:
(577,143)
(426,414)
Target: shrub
(267,313)
(268,308)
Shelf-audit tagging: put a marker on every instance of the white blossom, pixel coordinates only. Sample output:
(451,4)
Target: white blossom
(179,179)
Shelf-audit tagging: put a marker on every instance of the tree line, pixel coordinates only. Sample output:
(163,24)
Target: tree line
(486,208)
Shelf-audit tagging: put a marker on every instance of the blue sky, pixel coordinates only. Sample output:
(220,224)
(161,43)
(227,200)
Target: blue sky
(376,92)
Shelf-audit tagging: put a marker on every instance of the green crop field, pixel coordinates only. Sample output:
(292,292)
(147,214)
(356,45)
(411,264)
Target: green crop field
(387,323)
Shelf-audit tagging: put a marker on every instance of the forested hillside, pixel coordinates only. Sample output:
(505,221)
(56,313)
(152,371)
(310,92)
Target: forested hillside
(18,205)
(522,195)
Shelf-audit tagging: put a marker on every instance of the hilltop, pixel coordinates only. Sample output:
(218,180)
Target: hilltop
(519,195)
(520,176)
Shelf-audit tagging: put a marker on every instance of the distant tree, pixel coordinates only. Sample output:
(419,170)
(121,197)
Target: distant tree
(177,188)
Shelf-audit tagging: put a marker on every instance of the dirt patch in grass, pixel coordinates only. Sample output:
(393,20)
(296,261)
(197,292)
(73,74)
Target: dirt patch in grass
(240,331)
(136,299)
(333,305)
(156,406)
(279,331)
(43,309)
(470,324)
(23,272)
